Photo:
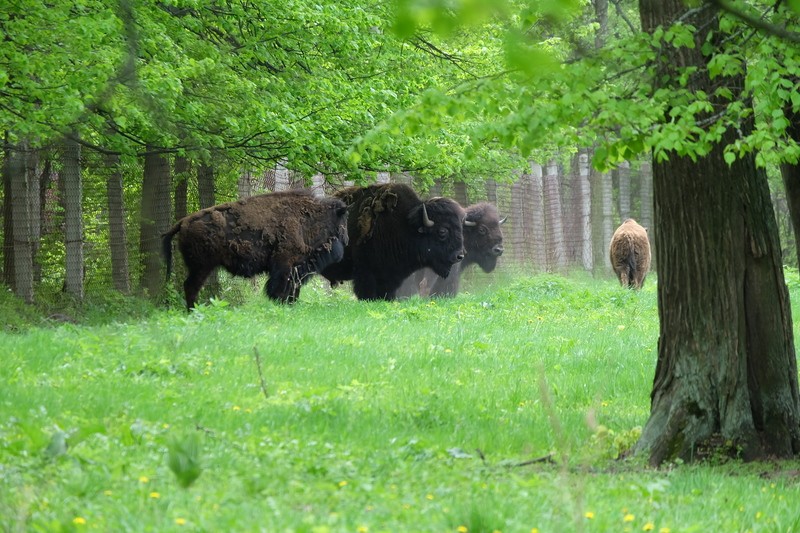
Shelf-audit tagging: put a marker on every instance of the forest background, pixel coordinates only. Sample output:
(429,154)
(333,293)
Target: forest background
(120,117)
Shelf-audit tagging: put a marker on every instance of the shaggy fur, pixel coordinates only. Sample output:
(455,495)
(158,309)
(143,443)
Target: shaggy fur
(483,241)
(630,254)
(389,239)
(290,235)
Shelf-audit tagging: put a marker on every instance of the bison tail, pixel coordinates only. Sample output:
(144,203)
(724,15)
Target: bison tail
(166,247)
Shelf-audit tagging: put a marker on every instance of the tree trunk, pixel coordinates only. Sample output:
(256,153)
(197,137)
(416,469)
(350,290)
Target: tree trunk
(21,189)
(517,222)
(646,209)
(182,168)
(624,190)
(73,218)
(556,254)
(791,175)
(602,226)
(208,198)
(582,194)
(538,235)
(460,194)
(8,217)
(155,219)
(118,239)
(726,369)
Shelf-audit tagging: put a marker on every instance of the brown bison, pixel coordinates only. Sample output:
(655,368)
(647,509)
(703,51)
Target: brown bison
(483,241)
(630,254)
(290,235)
(392,234)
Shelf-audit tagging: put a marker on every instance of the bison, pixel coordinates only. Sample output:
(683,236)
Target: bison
(290,235)
(483,241)
(630,254)
(392,234)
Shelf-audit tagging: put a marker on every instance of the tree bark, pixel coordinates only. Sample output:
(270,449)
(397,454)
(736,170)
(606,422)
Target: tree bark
(155,219)
(790,172)
(118,241)
(726,369)
(73,218)
(582,194)
(556,253)
(21,189)
(539,248)
(624,189)
(182,168)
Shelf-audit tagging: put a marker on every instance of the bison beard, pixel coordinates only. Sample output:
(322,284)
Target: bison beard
(289,235)
(630,254)
(392,234)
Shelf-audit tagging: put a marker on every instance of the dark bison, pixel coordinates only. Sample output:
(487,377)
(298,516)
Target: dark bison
(289,235)
(483,241)
(392,234)
(630,254)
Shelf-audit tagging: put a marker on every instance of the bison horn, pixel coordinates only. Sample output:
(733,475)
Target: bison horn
(470,223)
(503,220)
(425,220)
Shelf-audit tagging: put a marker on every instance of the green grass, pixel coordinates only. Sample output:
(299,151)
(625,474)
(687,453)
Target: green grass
(373,416)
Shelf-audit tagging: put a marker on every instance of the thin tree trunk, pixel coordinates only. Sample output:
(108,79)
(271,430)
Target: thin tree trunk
(21,217)
(35,206)
(538,235)
(8,216)
(182,172)
(624,203)
(556,252)
(155,219)
(460,193)
(73,218)
(517,223)
(582,193)
(602,224)
(726,369)
(282,182)
(118,239)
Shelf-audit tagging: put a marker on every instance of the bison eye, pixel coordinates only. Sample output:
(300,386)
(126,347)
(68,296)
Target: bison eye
(482,230)
(443,234)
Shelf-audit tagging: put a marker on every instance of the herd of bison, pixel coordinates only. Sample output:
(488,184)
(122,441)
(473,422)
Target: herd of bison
(385,238)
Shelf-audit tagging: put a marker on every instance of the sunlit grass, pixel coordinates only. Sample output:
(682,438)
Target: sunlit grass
(502,409)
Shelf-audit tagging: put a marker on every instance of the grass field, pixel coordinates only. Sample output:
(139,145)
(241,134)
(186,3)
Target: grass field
(503,409)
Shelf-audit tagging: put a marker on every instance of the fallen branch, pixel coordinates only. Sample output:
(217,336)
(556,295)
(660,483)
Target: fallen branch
(260,373)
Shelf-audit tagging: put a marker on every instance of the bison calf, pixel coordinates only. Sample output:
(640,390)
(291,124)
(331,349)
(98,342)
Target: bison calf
(290,235)
(630,254)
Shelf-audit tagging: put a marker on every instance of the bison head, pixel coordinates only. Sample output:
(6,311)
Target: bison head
(440,244)
(483,238)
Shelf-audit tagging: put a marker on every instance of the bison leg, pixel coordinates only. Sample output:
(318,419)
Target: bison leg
(280,285)
(192,285)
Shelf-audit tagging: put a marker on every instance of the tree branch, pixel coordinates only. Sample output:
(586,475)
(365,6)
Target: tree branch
(750,20)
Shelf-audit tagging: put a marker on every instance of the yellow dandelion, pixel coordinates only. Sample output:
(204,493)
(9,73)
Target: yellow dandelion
(621,327)
(448,350)
(79,521)
(648,526)
(165,425)
(155,495)
(370,508)
(143,479)
(107,493)
(406,506)
(343,483)
(462,529)
(208,363)
(589,515)
(362,529)
(429,496)
(496,531)
(664,530)
(759,514)
(628,518)
(248,410)
(237,408)
(180,521)
(535,530)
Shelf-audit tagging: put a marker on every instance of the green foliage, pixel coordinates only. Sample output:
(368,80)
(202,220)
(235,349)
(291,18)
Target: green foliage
(502,409)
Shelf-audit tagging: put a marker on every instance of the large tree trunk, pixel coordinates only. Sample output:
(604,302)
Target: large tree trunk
(73,218)
(118,239)
(726,369)
(155,219)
